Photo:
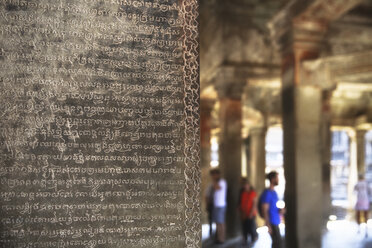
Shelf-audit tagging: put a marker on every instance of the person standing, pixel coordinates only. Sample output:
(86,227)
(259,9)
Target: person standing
(248,212)
(271,212)
(219,204)
(362,204)
(209,194)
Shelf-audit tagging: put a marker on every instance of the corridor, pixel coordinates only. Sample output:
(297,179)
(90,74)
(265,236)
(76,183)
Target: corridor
(286,85)
(340,234)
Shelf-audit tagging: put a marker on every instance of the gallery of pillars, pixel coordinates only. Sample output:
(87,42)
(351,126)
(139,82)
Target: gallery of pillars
(306,79)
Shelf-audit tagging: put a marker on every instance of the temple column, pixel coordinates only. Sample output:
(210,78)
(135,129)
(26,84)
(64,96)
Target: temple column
(326,148)
(361,151)
(353,167)
(303,166)
(303,139)
(257,162)
(356,162)
(206,108)
(298,31)
(230,150)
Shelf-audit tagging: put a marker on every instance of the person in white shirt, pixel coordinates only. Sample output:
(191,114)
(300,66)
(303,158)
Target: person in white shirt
(219,204)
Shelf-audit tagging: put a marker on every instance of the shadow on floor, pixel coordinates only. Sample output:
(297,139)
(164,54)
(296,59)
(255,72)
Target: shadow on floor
(263,241)
(231,243)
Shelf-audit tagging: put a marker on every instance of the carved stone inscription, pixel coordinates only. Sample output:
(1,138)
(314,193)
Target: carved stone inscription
(98,127)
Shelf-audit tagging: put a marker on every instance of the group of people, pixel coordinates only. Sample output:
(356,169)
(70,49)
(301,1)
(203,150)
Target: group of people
(250,204)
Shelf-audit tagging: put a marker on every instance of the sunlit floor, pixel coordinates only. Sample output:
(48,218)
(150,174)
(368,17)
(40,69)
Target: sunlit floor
(344,233)
(263,241)
(340,234)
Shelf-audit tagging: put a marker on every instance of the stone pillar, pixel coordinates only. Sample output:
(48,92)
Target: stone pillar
(257,162)
(206,107)
(230,149)
(230,143)
(353,168)
(303,166)
(361,151)
(298,30)
(356,162)
(245,156)
(326,147)
(303,140)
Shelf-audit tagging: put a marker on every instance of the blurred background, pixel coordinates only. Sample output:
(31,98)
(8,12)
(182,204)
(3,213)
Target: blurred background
(286,85)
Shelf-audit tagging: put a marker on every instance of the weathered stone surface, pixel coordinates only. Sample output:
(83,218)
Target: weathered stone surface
(99,124)
(230,144)
(350,76)
(234,35)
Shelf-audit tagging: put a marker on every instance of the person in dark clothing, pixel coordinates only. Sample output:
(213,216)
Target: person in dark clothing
(209,206)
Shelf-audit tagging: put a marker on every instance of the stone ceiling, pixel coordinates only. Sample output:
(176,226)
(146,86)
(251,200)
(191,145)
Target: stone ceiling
(235,33)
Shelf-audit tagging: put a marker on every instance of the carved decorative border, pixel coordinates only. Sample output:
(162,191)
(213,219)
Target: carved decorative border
(189,13)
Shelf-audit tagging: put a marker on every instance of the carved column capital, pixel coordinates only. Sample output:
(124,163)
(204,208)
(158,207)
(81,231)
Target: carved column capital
(260,130)
(310,16)
(230,82)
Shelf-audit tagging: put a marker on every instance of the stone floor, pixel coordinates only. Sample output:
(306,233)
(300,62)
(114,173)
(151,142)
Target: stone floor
(263,241)
(340,234)
(346,234)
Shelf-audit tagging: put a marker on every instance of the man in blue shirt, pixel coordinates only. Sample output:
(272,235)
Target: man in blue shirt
(271,212)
